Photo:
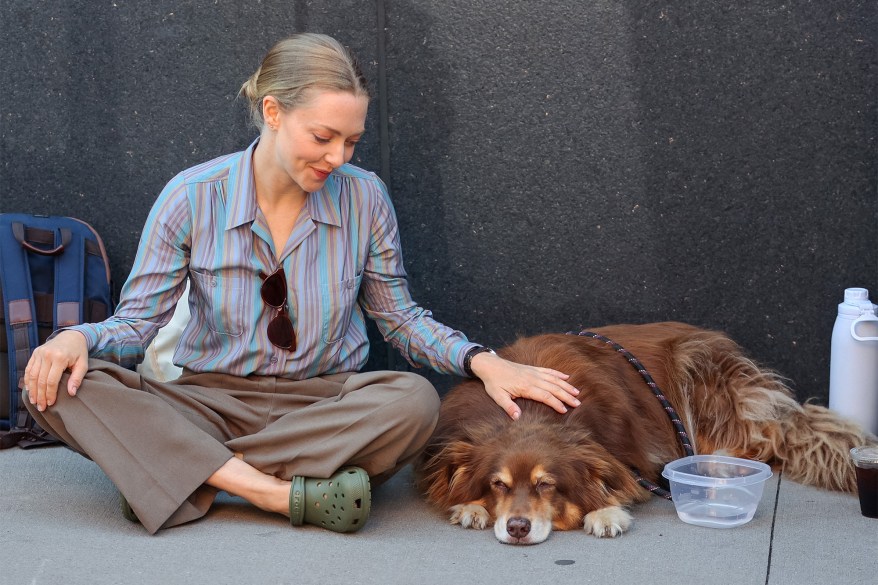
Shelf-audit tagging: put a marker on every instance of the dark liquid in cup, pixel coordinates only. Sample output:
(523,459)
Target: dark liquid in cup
(867,486)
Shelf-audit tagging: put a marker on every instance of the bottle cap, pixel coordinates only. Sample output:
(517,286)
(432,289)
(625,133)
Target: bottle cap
(856,302)
(854,295)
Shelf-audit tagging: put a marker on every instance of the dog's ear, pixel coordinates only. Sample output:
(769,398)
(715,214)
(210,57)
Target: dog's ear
(601,480)
(448,476)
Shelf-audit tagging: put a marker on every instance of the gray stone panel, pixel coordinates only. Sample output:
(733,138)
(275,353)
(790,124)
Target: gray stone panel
(559,166)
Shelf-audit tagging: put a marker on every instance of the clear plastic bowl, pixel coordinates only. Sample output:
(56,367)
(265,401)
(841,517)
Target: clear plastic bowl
(716,491)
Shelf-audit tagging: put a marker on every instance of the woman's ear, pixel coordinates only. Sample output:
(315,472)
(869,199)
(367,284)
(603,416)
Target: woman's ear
(271,110)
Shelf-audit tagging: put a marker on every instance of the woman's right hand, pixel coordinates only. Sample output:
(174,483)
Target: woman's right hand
(66,351)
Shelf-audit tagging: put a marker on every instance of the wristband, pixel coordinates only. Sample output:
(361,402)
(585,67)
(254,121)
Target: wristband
(468,358)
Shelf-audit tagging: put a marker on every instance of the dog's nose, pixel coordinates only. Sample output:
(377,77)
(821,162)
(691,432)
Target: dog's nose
(518,527)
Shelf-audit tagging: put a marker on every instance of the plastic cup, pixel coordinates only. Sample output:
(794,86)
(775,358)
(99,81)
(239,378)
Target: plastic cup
(865,460)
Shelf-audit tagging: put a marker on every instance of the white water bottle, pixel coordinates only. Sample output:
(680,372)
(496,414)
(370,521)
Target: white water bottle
(853,364)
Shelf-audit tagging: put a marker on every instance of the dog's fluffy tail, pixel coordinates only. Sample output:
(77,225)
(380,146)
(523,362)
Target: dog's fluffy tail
(813,445)
(747,411)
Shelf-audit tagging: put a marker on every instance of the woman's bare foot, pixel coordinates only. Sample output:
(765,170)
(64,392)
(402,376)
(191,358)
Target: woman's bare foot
(264,491)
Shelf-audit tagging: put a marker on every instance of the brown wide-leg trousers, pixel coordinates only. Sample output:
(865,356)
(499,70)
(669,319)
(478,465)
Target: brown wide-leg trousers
(159,442)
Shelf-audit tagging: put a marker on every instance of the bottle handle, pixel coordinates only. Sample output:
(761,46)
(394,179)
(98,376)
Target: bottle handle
(860,319)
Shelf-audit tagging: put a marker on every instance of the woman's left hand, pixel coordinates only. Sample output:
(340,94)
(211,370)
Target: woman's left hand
(504,381)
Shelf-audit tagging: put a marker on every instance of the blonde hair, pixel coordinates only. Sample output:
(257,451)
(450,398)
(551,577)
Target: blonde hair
(298,64)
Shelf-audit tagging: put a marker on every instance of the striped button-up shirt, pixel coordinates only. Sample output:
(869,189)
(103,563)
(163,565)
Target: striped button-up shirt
(342,260)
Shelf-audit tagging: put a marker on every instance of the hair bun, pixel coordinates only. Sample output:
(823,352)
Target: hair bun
(250,87)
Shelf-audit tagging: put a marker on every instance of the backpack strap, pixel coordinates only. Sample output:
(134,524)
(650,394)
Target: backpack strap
(69,279)
(21,333)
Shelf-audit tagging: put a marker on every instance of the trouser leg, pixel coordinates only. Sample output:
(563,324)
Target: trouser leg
(160,442)
(136,431)
(375,420)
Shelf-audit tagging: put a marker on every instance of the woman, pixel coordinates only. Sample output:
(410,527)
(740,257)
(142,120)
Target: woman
(286,247)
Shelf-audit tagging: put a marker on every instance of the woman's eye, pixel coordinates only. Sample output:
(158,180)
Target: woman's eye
(321,139)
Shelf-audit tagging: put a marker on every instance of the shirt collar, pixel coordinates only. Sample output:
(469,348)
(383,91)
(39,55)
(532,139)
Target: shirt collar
(322,205)
(241,198)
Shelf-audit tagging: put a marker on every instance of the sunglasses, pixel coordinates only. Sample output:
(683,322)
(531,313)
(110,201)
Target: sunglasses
(274,294)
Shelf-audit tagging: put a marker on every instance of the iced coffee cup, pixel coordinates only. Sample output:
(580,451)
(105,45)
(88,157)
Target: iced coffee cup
(866,464)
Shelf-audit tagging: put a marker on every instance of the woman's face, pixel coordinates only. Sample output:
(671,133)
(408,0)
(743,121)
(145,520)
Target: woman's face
(317,137)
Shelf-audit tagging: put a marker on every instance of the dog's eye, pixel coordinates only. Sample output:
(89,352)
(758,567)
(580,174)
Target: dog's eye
(544,486)
(499,486)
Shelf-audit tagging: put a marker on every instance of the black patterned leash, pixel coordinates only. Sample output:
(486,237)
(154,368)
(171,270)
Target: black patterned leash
(672,413)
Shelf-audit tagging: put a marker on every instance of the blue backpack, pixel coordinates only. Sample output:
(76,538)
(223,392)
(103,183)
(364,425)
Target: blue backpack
(54,273)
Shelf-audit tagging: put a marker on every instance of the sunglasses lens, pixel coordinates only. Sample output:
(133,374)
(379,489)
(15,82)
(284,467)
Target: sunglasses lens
(274,289)
(280,332)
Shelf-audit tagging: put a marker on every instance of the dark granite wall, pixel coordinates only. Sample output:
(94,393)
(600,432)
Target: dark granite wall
(554,164)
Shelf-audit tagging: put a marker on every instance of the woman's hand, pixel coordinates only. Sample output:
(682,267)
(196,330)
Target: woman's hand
(504,381)
(66,351)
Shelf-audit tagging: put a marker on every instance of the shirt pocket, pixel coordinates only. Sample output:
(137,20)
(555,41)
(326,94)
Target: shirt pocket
(339,302)
(220,300)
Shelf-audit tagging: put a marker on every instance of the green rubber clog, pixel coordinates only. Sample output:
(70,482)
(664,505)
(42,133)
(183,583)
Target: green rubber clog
(340,503)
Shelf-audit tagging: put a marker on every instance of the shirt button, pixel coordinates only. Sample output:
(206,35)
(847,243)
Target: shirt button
(273,359)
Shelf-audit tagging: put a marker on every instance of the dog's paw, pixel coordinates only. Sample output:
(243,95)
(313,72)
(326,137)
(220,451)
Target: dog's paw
(607,522)
(470,516)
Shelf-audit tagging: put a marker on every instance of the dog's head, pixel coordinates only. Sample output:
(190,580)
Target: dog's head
(533,480)
(526,498)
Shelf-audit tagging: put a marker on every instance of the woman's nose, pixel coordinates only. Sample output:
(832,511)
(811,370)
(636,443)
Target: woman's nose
(335,155)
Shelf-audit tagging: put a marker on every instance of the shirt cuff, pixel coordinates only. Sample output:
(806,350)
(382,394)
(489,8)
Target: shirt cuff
(91,335)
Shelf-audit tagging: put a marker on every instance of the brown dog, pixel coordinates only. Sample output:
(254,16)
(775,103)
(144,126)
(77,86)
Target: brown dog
(566,471)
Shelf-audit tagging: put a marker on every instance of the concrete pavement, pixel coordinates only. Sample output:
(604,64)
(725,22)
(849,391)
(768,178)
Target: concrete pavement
(60,524)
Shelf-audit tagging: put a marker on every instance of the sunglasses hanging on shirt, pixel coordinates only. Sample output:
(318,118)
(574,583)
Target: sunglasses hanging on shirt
(274,294)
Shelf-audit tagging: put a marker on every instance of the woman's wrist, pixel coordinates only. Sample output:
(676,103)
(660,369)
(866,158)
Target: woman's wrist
(476,360)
